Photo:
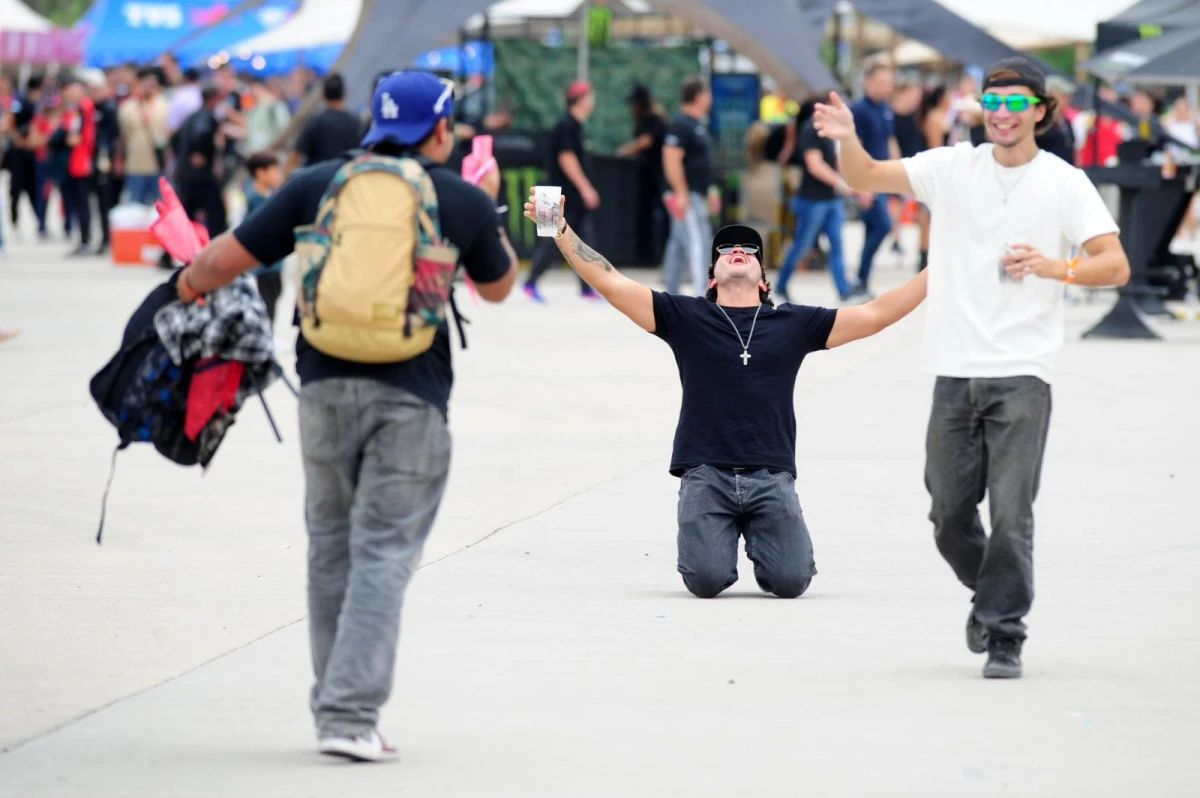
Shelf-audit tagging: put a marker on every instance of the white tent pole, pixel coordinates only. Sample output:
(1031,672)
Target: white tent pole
(582,69)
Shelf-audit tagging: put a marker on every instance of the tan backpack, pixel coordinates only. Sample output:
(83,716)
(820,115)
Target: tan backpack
(374,274)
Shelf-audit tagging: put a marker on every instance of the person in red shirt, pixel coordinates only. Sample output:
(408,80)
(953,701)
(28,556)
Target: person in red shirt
(79,122)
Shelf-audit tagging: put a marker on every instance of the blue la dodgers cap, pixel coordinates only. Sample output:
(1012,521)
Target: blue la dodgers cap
(407,105)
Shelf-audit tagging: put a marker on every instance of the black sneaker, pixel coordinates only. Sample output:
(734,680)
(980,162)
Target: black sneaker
(1004,659)
(977,634)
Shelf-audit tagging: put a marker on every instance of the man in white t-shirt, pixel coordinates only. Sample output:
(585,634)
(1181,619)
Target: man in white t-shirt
(1005,220)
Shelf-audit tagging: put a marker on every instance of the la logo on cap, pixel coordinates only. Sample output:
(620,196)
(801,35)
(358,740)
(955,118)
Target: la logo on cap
(388,108)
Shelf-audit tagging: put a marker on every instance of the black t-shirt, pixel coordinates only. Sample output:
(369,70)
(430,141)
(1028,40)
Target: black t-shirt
(568,135)
(656,127)
(909,137)
(329,134)
(23,109)
(1059,140)
(468,218)
(810,187)
(108,130)
(734,415)
(690,135)
(198,136)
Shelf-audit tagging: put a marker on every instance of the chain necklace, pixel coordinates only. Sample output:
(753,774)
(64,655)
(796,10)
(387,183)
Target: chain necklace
(745,355)
(999,182)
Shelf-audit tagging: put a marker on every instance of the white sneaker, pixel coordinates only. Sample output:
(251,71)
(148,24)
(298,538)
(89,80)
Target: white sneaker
(370,747)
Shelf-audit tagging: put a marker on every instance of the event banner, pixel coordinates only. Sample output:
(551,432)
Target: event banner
(734,109)
(41,47)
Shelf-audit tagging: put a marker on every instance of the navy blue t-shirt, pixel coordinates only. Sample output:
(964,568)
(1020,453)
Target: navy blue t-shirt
(735,415)
(876,124)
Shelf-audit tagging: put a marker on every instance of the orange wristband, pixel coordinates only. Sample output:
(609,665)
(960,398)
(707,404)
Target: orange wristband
(1070,278)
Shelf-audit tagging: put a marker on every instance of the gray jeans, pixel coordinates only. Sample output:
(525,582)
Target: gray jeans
(375,464)
(988,435)
(716,506)
(690,247)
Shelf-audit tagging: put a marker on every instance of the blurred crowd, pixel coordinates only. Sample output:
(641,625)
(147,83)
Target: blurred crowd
(78,144)
(898,117)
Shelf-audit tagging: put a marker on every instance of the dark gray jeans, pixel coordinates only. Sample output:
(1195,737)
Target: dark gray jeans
(717,505)
(988,435)
(375,464)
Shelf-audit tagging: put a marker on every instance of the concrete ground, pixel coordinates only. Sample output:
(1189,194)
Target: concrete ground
(549,648)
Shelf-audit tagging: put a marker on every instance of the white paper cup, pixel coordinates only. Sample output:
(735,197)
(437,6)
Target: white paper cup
(547,210)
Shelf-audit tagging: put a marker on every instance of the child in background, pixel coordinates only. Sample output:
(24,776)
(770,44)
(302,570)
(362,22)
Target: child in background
(265,177)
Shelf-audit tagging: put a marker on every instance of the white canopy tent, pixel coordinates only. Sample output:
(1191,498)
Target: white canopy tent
(16,16)
(1033,24)
(317,23)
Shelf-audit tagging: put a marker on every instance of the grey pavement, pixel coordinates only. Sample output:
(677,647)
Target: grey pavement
(548,647)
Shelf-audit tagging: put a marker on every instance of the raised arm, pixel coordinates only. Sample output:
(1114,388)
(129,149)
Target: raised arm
(863,321)
(862,172)
(628,296)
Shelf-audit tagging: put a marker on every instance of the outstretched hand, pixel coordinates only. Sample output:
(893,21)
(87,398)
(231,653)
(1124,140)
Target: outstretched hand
(833,121)
(531,207)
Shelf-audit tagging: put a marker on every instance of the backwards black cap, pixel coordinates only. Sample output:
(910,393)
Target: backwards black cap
(736,234)
(1016,71)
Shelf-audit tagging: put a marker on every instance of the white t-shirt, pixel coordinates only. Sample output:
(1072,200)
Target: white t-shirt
(978,325)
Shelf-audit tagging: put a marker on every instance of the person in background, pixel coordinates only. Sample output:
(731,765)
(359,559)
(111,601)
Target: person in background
(690,170)
(649,131)
(1148,126)
(185,100)
(910,140)
(143,119)
(818,208)
(267,119)
(331,132)
(26,179)
(8,334)
(266,177)
(875,123)
(49,126)
(934,120)
(79,125)
(964,113)
(1182,124)
(103,184)
(570,166)
(1101,136)
(172,75)
(1059,138)
(199,147)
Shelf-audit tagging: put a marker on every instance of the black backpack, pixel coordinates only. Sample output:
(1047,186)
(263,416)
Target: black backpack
(144,394)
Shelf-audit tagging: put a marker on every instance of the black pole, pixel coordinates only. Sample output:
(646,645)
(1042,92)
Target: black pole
(485,39)
(1096,121)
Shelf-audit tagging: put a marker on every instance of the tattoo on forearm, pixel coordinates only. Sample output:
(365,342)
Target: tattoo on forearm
(589,255)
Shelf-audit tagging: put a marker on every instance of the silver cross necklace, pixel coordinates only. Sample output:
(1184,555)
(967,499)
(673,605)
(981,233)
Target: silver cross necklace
(745,355)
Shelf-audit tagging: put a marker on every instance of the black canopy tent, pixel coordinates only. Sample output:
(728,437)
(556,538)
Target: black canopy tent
(1149,16)
(925,21)
(1172,59)
(776,37)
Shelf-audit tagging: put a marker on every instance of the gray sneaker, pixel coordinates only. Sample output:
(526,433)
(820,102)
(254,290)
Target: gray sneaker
(977,634)
(1004,659)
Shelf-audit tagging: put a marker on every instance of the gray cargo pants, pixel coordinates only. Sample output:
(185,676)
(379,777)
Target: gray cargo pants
(375,465)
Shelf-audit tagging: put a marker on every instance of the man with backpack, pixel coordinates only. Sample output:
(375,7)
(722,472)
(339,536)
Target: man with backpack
(373,358)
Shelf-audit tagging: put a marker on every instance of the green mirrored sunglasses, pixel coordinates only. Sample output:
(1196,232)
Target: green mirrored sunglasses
(1016,103)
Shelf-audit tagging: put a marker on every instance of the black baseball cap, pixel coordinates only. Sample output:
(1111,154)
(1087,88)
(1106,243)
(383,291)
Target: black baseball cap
(736,234)
(1024,72)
